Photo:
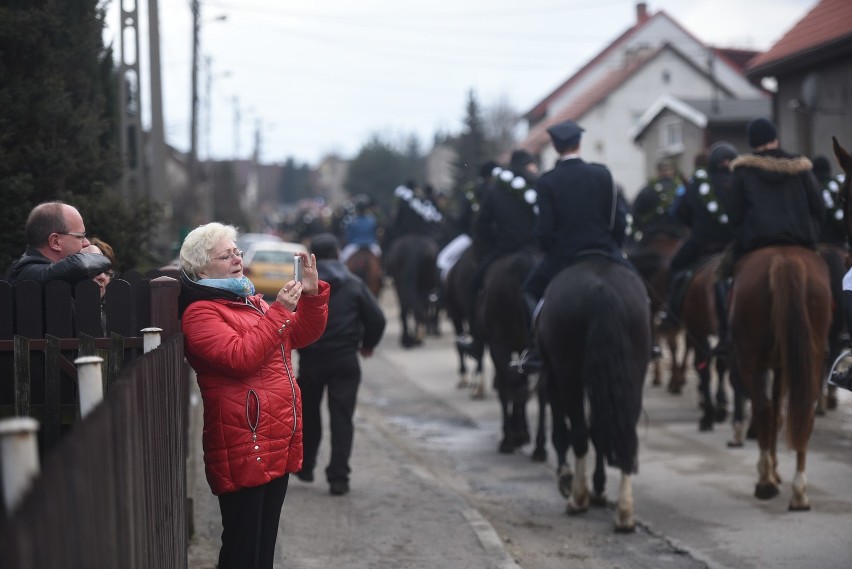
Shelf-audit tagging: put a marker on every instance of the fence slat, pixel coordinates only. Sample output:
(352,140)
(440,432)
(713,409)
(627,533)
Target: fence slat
(59,309)
(22,376)
(52,420)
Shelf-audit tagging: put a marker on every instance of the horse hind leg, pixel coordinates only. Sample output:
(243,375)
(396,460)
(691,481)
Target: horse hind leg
(599,480)
(578,502)
(766,487)
(799,500)
(624,517)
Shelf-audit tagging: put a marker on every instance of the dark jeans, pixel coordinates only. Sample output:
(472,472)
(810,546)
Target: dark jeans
(340,378)
(250,525)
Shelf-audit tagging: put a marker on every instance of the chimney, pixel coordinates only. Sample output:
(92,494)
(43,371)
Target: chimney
(641,13)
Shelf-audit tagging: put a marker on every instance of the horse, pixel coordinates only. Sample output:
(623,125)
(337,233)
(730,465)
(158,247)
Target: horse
(461,315)
(501,314)
(594,332)
(411,264)
(835,258)
(368,267)
(697,314)
(780,313)
(651,257)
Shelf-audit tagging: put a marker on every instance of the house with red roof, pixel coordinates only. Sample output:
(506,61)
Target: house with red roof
(812,68)
(611,93)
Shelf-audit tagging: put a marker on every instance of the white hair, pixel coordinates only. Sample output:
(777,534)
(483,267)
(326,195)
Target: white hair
(195,251)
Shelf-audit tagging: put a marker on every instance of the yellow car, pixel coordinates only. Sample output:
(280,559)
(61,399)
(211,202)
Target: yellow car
(269,264)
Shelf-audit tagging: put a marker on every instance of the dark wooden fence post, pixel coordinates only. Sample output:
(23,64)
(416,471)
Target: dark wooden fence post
(164,306)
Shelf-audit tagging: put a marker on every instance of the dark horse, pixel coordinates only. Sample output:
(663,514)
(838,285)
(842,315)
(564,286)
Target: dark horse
(506,331)
(411,264)
(652,257)
(368,267)
(780,314)
(835,258)
(698,315)
(456,300)
(595,337)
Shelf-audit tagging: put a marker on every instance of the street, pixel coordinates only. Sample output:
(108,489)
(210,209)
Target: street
(429,488)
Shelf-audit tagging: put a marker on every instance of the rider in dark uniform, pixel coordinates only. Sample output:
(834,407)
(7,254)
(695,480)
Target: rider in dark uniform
(651,209)
(580,212)
(701,209)
(505,222)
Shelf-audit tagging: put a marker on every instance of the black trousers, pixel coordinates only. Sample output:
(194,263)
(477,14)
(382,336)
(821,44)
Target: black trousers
(339,378)
(250,525)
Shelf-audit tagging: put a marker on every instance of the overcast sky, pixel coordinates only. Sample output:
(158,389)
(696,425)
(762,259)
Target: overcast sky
(323,76)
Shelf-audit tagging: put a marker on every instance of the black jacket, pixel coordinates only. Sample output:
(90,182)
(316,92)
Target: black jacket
(355,319)
(775,199)
(651,209)
(702,209)
(505,222)
(33,266)
(576,210)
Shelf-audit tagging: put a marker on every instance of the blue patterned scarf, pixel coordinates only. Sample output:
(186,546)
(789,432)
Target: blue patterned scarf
(241,286)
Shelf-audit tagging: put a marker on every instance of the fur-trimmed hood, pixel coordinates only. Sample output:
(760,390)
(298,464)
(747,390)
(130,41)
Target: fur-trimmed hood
(773,164)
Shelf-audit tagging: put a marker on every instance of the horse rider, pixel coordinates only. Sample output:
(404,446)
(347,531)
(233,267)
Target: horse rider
(471,196)
(580,212)
(834,229)
(361,232)
(701,209)
(504,224)
(415,212)
(652,208)
(775,198)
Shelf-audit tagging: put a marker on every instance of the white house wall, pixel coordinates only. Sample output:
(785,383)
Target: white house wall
(656,32)
(608,124)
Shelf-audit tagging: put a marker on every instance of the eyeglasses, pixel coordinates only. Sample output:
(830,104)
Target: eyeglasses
(76,234)
(227,256)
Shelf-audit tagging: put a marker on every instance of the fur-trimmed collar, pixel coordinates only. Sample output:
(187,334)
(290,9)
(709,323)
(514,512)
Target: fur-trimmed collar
(780,164)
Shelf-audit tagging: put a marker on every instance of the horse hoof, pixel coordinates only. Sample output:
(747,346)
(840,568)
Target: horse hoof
(806,507)
(831,402)
(820,411)
(539,455)
(506,447)
(478,393)
(675,389)
(765,491)
(721,415)
(705,424)
(627,527)
(564,479)
(735,444)
(573,509)
(599,500)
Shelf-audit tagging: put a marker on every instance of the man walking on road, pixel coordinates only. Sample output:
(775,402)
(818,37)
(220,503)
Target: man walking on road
(355,323)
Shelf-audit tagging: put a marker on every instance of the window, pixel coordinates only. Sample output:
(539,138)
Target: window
(672,135)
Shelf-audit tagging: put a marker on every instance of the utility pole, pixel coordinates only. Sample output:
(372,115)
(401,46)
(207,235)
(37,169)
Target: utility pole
(157,189)
(130,106)
(193,124)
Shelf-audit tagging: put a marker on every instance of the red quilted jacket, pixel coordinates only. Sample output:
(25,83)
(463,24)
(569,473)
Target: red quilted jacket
(240,350)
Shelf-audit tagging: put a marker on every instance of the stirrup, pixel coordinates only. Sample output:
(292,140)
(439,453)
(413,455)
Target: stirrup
(526,362)
(834,376)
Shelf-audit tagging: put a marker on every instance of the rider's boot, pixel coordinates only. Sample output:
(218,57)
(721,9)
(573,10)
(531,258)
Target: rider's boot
(844,379)
(529,360)
(720,292)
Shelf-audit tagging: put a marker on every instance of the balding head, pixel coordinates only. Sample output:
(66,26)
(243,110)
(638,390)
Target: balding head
(56,230)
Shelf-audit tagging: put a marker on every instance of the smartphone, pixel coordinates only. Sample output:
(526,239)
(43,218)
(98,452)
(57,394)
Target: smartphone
(297,268)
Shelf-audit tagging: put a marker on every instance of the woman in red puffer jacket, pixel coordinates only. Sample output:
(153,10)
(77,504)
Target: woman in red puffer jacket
(239,347)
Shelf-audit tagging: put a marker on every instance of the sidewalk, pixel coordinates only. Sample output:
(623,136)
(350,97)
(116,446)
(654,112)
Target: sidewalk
(397,514)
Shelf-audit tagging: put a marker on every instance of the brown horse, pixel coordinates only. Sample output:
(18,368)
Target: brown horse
(699,318)
(368,267)
(780,314)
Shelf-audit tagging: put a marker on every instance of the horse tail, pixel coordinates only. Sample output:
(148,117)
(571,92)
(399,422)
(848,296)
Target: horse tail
(793,346)
(610,377)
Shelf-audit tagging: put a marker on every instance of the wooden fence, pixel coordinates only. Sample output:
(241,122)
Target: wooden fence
(112,488)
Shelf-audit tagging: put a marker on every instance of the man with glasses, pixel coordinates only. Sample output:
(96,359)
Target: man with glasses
(56,236)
